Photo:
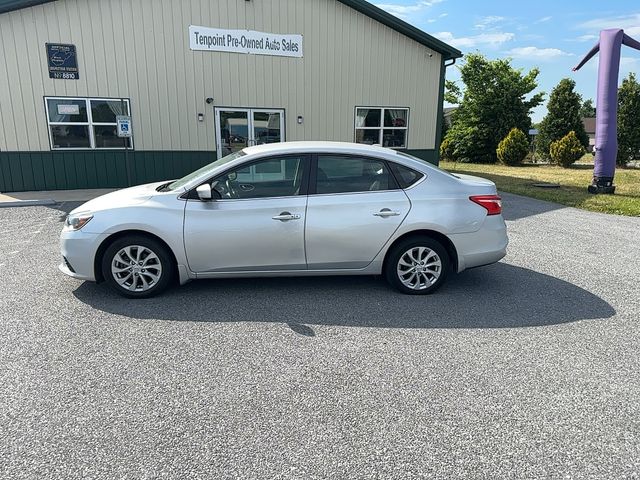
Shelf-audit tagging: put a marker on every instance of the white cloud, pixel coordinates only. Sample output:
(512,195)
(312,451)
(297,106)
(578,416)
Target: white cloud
(494,39)
(434,20)
(629,23)
(405,11)
(489,22)
(543,19)
(586,38)
(538,53)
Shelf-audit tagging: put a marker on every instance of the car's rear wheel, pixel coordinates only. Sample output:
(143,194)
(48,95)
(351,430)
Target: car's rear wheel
(418,266)
(137,266)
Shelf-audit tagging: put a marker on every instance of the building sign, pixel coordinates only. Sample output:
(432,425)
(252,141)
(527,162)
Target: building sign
(123,123)
(62,60)
(244,41)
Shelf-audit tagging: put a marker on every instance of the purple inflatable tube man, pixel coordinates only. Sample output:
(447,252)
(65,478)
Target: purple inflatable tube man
(609,45)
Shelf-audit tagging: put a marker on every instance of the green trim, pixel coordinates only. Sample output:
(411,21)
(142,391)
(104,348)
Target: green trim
(26,171)
(362,6)
(67,170)
(443,73)
(428,155)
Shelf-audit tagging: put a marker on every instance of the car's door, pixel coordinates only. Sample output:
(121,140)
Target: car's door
(354,207)
(256,224)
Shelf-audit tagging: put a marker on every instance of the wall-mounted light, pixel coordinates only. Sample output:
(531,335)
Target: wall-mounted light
(201,117)
(209,100)
(300,119)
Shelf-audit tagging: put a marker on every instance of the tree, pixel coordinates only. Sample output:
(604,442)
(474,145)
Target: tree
(493,102)
(513,148)
(628,120)
(587,110)
(563,116)
(567,150)
(452,93)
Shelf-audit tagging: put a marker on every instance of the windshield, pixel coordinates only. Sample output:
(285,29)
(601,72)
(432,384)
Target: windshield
(203,171)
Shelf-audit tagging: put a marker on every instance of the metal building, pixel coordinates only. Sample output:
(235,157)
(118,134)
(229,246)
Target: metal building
(201,78)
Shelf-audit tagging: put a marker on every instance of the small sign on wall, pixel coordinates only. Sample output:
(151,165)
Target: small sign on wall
(123,123)
(62,60)
(68,109)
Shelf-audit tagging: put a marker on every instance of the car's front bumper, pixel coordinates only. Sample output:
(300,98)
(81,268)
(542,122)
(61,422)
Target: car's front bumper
(79,252)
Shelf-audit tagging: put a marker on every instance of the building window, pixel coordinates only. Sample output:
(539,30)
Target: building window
(382,126)
(86,123)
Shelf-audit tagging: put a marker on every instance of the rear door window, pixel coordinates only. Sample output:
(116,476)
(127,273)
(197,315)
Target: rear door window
(345,174)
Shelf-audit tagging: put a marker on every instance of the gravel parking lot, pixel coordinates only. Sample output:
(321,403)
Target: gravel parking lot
(524,369)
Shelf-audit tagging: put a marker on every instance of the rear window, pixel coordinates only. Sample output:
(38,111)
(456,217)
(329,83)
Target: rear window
(405,175)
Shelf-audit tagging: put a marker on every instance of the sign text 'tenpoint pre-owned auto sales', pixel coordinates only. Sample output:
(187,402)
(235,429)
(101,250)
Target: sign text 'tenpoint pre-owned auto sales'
(244,41)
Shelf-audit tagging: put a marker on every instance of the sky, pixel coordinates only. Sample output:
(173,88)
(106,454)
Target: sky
(550,35)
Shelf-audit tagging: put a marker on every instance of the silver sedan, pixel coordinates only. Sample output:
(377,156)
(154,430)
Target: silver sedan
(290,209)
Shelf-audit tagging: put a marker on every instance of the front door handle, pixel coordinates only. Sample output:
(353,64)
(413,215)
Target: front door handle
(385,212)
(286,216)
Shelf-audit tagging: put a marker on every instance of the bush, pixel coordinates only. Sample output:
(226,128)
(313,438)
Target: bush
(567,150)
(461,146)
(446,150)
(513,148)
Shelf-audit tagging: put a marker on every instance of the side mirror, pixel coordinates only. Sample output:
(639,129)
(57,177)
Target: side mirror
(204,192)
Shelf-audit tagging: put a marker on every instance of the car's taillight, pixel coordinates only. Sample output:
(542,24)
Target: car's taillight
(493,203)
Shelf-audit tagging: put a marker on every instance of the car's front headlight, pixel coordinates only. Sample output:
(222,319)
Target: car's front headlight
(76,221)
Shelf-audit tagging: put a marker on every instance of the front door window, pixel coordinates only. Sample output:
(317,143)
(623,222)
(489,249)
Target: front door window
(238,128)
(272,177)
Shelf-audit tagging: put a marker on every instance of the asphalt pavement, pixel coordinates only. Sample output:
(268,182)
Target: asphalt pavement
(529,368)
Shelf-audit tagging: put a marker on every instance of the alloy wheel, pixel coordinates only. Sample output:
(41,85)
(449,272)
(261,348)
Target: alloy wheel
(136,268)
(419,268)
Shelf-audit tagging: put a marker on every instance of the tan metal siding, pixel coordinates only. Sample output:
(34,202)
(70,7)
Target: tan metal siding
(349,60)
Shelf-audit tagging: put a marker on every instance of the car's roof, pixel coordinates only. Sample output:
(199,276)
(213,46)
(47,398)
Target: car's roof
(318,146)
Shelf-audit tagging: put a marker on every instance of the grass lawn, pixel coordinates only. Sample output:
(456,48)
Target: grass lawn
(573,185)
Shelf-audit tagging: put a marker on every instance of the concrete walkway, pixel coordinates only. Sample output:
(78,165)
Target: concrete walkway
(49,197)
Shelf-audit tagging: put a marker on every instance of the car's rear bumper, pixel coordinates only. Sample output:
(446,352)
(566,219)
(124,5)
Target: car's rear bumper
(483,247)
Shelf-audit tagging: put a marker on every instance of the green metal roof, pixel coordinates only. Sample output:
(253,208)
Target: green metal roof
(8,5)
(361,6)
(403,27)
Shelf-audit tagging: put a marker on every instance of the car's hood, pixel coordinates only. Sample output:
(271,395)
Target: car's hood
(121,198)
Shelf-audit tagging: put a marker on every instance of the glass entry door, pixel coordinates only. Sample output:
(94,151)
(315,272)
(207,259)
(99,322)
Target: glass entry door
(237,128)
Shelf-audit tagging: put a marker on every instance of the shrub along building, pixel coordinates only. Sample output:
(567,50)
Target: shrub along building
(200,79)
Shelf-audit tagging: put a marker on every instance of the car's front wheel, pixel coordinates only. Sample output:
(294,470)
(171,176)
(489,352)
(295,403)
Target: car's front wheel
(418,266)
(137,266)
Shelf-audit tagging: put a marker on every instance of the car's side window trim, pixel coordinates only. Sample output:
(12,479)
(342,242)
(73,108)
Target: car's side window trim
(313,179)
(398,183)
(305,160)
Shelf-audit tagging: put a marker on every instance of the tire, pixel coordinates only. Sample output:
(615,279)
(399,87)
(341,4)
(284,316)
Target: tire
(428,255)
(151,273)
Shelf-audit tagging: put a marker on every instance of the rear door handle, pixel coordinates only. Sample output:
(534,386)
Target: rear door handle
(286,216)
(385,212)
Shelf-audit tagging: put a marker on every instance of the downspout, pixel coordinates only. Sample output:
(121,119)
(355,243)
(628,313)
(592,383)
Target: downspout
(443,71)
